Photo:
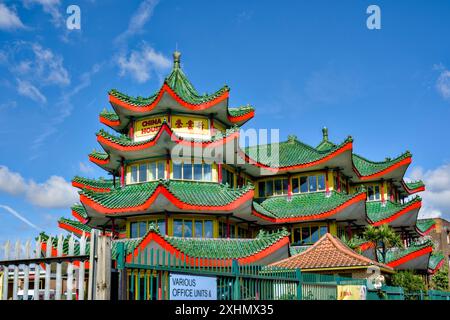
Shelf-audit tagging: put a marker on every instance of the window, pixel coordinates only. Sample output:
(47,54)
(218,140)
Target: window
(189,171)
(149,171)
(227,177)
(261,189)
(373,193)
(177,228)
(133,230)
(306,235)
(303,184)
(272,187)
(187,228)
(312,182)
(321,182)
(207,229)
(143,172)
(295,185)
(193,228)
(140,228)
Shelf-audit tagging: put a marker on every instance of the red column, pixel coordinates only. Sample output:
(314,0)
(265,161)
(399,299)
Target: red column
(327,186)
(131,130)
(289,188)
(219,172)
(122,173)
(382,192)
(338,181)
(168,167)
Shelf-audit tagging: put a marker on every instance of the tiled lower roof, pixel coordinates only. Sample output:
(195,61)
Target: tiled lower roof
(193,193)
(74,226)
(302,205)
(222,248)
(80,210)
(327,253)
(366,167)
(101,183)
(425,225)
(290,153)
(435,262)
(377,211)
(396,254)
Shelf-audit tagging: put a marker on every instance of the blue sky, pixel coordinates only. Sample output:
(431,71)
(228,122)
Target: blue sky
(302,65)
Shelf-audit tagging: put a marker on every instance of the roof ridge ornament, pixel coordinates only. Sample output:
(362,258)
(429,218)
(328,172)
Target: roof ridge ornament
(176,59)
(325,133)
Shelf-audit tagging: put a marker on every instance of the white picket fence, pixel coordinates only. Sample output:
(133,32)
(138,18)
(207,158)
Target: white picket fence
(23,262)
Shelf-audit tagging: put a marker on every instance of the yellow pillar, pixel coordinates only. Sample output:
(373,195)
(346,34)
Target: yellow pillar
(333,228)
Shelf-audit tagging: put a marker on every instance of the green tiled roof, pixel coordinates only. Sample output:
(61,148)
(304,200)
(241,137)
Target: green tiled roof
(414,184)
(296,250)
(224,248)
(291,152)
(99,155)
(76,224)
(126,141)
(377,212)
(96,183)
(179,83)
(366,167)
(78,208)
(110,115)
(44,237)
(194,193)
(397,253)
(305,204)
(424,224)
(435,259)
(239,111)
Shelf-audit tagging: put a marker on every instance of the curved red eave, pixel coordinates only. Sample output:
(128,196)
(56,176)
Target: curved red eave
(85,186)
(366,245)
(174,138)
(99,161)
(78,217)
(412,206)
(412,191)
(165,192)
(347,146)
(108,122)
(383,172)
(72,229)
(438,266)
(243,117)
(358,198)
(426,231)
(410,256)
(203,262)
(167,89)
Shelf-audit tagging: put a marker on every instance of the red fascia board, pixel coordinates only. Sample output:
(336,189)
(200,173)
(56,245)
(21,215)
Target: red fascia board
(383,172)
(203,262)
(108,122)
(412,206)
(412,191)
(358,198)
(78,217)
(165,192)
(426,231)
(410,256)
(72,229)
(85,186)
(166,89)
(345,147)
(241,118)
(99,161)
(174,138)
(438,266)
(366,245)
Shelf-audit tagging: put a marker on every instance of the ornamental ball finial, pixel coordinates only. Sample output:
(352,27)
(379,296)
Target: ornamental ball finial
(176,58)
(325,133)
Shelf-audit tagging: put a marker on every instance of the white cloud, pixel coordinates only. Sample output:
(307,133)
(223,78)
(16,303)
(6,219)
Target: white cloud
(26,89)
(138,20)
(51,7)
(436,198)
(11,182)
(17,215)
(9,20)
(55,192)
(443,84)
(140,65)
(85,168)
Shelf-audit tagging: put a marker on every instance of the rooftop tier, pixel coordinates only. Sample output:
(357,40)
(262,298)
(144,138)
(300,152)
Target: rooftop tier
(163,196)
(177,94)
(295,156)
(161,144)
(312,207)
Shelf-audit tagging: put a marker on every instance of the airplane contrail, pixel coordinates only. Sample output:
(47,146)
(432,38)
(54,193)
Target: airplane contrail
(20,217)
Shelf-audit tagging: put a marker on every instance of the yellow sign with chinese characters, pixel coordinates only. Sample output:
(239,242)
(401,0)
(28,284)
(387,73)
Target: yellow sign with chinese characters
(351,292)
(148,127)
(190,125)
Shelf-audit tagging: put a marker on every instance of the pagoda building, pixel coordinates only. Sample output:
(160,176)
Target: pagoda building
(240,207)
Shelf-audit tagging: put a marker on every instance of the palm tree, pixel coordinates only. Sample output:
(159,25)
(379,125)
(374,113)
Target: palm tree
(384,238)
